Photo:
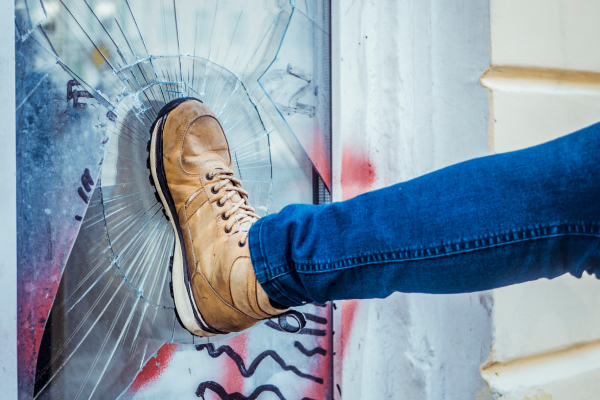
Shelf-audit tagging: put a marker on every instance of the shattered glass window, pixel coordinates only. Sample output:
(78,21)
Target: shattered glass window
(94,246)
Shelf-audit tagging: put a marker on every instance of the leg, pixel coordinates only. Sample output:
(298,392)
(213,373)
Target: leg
(482,224)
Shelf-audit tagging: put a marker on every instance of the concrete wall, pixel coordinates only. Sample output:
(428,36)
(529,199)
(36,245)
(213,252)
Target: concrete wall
(408,101)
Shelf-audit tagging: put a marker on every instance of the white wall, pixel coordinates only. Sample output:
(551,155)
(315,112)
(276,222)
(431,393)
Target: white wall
(8,207)
(407,101)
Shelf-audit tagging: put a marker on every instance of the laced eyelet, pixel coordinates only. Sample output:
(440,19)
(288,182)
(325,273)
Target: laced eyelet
(227,230)
(240,244)
(224,218)
(212,189)
(208,178)
(219,203)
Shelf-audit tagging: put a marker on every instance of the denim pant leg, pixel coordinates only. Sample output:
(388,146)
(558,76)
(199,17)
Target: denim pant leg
(481,224)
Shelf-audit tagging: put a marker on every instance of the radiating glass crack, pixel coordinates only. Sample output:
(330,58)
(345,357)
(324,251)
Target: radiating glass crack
(119,62)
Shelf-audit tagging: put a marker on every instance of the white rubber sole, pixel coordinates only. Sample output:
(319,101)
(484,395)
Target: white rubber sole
(185,306)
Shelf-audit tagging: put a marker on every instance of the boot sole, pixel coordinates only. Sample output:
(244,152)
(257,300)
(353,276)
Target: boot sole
(181,290)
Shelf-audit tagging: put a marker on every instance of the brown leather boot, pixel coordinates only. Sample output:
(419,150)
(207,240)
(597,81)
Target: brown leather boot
(214,285)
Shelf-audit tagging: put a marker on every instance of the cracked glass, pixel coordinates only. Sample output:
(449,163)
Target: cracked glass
(94,244)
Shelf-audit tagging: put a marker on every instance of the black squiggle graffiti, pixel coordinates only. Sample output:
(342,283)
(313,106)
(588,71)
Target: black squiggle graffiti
(315,318)
(303,331)
(86,180)
(310,353)
(246,373)
(75,95)
(220,391)
(82,194)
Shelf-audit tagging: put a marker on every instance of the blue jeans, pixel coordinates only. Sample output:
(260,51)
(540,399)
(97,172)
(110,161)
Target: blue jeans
(481,224)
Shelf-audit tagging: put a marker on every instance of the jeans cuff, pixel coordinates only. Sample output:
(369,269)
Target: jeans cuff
(264,274)
(275,293)
(257,256)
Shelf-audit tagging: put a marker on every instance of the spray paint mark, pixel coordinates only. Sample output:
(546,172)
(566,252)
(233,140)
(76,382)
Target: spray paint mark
(315,318)
(310,353)
(358,173)
(232,381)
(86,180)
(349,308)
(358,176)
(36,289)
(220,391)
(154,367)
(248,372)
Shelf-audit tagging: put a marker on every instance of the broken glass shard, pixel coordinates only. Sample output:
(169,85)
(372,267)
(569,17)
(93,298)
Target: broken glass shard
(298,82)
(97,72)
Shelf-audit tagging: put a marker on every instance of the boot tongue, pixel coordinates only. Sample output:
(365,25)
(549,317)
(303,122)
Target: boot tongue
(212,164)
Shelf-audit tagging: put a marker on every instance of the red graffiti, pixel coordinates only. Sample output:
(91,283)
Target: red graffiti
(358,173)
(36,291)
(349,308)
(233,381)
(318,153)
(321,369)
(357,177)
(154,367)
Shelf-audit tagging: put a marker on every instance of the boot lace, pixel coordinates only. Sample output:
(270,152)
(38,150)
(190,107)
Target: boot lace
(243,213)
